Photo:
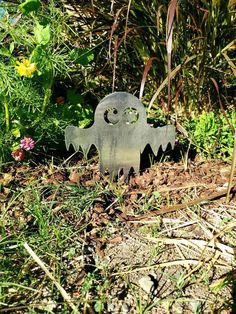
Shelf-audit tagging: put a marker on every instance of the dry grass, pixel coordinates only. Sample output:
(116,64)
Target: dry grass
(87,255)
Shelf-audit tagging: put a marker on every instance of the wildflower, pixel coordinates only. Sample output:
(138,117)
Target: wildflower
(18,154)
(27,143)
(25,68)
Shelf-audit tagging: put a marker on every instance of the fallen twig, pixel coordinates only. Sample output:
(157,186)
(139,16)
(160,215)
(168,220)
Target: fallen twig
(226,250)
(168,209)
(230,225)
(232,169)
(64,294)
(168,264)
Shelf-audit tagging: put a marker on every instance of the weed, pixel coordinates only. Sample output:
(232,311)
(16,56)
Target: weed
(211,134)
(34,55)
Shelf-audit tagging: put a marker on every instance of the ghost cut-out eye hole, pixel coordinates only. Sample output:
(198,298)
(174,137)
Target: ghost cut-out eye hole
(130,115)
(111,116)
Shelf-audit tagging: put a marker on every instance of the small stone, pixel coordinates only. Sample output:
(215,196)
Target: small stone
(148,283)
(125,308)
(110,307)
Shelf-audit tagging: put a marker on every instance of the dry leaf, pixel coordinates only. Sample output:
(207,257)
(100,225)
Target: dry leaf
(6,179)
(115,240)
(74,176)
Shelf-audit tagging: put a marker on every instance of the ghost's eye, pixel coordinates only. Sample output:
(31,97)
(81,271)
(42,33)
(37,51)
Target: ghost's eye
(111,116)
(130,115)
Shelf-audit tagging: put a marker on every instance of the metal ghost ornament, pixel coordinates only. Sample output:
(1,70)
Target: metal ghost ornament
(120,133)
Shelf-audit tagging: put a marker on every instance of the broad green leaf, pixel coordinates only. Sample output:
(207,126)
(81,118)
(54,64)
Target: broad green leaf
(42,34)
(83,112)
(5,52)
(11,48)
(29,6)
(156,194)
(38,56)
(74,98)
(82,56)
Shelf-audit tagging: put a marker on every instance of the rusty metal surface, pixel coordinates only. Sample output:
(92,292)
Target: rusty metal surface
(120,133)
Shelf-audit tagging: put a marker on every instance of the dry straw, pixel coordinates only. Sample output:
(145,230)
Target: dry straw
(64,294)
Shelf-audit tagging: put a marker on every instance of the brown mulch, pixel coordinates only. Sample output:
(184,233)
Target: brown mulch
(164,184)
(155,191)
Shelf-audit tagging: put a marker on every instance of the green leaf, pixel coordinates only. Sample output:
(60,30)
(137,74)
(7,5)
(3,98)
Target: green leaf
(99,306)
(84,123)
(5,52)
(15,146)
(82,56)
(156,194)
(12,46)
(29,6)
(74,98)
(42,34)
(16,132)
(56,122)
(83,112)
(38,56)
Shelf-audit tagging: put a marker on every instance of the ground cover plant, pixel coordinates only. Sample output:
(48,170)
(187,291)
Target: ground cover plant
(72,240)
(35,55)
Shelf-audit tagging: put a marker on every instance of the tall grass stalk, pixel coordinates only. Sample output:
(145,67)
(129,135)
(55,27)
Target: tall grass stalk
(7,114)
(203,29)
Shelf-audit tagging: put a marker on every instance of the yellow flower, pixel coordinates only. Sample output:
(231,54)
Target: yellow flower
(25,68)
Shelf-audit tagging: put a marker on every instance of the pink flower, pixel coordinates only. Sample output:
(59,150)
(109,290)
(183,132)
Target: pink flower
(18,154)
(27,143)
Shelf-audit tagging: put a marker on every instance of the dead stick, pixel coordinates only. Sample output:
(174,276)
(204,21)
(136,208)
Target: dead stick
(232,169)
(173,208)
(64,294)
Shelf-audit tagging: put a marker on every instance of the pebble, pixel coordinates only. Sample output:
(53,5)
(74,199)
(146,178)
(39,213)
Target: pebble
(125,308)
(148,284)
(110,307)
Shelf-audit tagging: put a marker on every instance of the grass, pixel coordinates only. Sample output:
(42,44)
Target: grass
(133,34)
(66,241)
(51,218)
(65,247)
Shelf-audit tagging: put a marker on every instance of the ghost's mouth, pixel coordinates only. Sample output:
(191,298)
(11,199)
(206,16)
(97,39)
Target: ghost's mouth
(111,116)
(129,116)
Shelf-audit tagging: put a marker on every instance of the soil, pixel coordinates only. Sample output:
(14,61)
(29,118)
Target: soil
(157,248)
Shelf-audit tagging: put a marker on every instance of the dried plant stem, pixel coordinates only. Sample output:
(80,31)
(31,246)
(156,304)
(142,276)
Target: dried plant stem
(209,266)
(233,165)
(64,294)
(169,33)
(127,18)
(226,250)
(170,264)
(202,260)
(173,208)
(145,73)
(114,64)
(172,75)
